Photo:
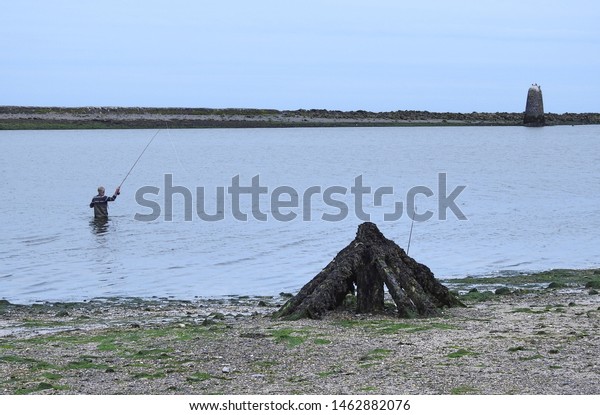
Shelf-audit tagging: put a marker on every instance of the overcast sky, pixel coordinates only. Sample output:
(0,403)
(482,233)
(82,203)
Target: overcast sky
(374,55)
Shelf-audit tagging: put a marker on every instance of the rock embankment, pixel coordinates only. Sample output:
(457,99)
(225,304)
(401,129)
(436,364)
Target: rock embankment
(115,117)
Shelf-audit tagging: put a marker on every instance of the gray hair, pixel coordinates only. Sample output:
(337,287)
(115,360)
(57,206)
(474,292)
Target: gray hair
(101,189)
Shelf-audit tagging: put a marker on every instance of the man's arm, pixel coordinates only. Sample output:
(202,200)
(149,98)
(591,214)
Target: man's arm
(113,197)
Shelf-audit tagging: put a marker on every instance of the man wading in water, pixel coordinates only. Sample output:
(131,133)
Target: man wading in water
(100,202)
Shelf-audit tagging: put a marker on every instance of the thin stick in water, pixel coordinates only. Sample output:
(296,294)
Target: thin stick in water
(411,230)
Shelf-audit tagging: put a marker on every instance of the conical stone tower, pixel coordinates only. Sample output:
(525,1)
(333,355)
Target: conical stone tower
(534,109)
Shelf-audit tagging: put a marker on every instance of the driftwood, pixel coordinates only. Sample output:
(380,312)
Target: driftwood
(368,263)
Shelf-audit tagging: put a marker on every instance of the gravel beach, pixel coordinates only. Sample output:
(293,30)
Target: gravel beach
(539,341)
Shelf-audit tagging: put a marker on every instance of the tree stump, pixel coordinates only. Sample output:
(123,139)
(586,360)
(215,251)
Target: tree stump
(368,263)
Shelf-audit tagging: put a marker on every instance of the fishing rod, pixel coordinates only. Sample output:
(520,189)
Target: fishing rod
(412,224)
(139,157)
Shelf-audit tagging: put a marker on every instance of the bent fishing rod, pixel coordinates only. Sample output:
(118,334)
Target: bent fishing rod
(139,157)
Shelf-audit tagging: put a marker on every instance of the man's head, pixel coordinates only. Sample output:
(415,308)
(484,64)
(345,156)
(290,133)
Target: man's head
(101,191)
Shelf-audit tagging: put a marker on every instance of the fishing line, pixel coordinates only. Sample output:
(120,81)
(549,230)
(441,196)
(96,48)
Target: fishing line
(140,156)
(189,173)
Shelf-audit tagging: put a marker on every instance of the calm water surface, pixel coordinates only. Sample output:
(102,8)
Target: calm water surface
(531,199)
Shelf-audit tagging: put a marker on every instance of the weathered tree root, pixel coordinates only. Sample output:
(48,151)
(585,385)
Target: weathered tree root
(368,263)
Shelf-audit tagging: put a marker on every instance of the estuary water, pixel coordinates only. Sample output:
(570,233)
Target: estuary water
(501,200)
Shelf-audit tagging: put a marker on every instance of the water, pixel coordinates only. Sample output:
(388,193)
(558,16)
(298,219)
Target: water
(531,200)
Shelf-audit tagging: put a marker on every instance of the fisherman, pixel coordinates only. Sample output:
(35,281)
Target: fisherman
(100,202)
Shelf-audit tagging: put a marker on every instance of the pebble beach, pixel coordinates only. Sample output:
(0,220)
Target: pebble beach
(515,341)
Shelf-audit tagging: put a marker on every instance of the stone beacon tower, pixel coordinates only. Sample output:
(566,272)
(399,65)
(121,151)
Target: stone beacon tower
(534,109)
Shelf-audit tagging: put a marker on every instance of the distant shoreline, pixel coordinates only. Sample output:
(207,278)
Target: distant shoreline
(42,118)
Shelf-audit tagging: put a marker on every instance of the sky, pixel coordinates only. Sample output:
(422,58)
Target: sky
(456,56)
